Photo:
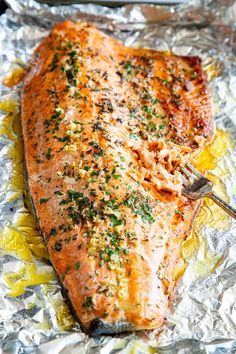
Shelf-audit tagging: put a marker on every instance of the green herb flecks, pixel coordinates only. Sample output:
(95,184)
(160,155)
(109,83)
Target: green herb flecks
(54,121)
(134,136)
(72,71)
(98,151)
(113,250)
(115,174)
(83,208)
(147,109)
(58,246)
(77,265)
(73,195)
(88,304)
(140,207)
(44,200)
(54,62)
(115,221)
(152,127)
(128,70)
(48,154)
(111,204)
(162,126)
(53,232)
(57,192)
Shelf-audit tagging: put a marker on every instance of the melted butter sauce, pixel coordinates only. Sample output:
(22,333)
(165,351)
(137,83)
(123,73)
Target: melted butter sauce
(14,77)
(26,276)
(21,237)
(194,250)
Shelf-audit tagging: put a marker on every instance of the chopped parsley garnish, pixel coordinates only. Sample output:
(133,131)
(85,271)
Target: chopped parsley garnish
(144,211)
(71,75)
(165,82)
(49,154)
(97,155)
(152,127)
(108,177)
(74,215)
(47,123)
(111,204)
(134,136)
(94,173)
(147,109)
(114,238)
(88,303)
(94,144)
(53,232)
(58,246)
(73,195)
(98,150)
(128,68)
(133,112)
(77,94)
(64,139)
(58,193)
(58,112)
(194,75)
(147,96)
(93,192)
(77,265)
(54,62)
(115,220)
(97,126)
(115,175)
(162,126)
(140,207)
(131,235)
(44,200)
(54,121)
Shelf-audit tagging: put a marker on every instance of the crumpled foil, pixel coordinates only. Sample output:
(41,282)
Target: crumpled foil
(203,318)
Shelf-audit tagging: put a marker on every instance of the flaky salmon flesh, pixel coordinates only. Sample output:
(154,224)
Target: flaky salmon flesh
(105,129)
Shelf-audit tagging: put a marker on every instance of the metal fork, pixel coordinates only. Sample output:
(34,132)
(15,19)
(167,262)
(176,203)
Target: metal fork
(197,186)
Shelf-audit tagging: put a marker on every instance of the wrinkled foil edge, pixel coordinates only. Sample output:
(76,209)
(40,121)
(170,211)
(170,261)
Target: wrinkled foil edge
(186,29)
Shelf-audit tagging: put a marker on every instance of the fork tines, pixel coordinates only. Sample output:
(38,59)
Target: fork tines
(189,174)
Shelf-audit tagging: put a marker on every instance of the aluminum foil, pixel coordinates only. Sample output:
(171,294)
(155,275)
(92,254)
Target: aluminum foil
(203,318)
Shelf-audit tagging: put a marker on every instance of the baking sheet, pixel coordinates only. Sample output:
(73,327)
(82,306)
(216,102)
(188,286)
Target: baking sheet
(36,318)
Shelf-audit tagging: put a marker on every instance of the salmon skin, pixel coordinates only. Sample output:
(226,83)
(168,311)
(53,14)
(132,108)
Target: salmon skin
(105,130)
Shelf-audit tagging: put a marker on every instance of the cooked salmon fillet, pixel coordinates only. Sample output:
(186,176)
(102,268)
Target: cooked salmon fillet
(105,130)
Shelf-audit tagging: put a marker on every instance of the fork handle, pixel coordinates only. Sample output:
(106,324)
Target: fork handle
(226,207)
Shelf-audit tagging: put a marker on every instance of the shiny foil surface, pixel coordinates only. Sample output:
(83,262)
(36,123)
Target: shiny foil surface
(34,314)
